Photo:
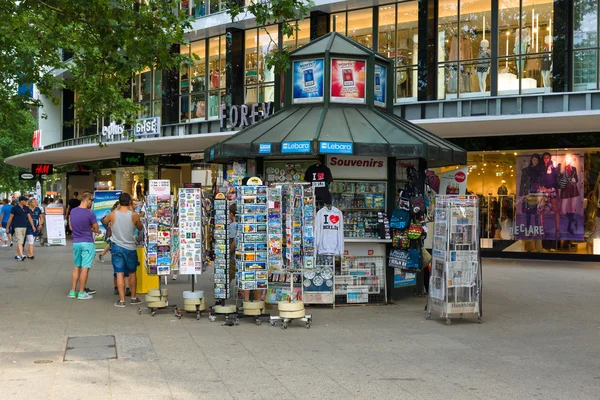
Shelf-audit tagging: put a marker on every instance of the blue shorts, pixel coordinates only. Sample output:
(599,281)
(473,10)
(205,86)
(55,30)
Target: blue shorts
(83,254)
(4,224)
(123,260)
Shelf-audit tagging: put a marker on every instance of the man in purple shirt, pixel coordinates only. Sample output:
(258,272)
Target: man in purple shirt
(83,225)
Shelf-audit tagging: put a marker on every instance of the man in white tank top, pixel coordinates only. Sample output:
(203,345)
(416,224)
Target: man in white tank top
(123,222)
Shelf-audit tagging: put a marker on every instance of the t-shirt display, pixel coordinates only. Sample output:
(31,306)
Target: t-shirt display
(81,220)
(320,177)
(329,231)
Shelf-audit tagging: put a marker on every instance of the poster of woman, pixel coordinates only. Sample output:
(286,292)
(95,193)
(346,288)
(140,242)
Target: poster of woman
(550,196)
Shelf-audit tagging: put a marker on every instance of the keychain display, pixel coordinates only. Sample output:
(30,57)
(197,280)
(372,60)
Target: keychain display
(190,231)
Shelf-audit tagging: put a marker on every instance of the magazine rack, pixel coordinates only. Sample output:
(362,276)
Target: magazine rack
(455,283)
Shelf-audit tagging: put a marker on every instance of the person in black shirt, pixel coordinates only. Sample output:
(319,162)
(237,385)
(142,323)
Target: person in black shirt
(320,177)
(71,205)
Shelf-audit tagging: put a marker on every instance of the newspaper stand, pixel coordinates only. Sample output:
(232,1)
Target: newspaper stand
(455,284)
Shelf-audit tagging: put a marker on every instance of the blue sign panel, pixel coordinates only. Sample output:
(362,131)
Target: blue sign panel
(335,147)
(295,147)
(379,94)
(403,279)
(264,148)
(308,81)
(212,153)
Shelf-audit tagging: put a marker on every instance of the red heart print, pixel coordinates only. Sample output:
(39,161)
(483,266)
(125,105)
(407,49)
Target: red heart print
(334,219)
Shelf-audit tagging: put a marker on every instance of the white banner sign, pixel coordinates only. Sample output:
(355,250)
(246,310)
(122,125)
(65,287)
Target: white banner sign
(159,187)
(55,227)
(357,167)
(454,182)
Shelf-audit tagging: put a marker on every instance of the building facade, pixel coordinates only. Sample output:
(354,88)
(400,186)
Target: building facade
(514,82)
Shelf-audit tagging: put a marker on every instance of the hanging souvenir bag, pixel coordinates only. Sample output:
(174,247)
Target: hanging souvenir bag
(401,240)
(414,259)
(417,204)
(403,201)
(398,258)
(415,230)
(400,219)
(433,181)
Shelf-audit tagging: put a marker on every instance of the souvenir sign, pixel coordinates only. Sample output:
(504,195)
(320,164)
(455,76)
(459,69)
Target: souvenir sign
(190,231)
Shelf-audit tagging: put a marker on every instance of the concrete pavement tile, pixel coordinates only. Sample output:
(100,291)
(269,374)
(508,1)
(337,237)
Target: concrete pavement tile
(140,379)
(26,384)
(82,380)
(136,347)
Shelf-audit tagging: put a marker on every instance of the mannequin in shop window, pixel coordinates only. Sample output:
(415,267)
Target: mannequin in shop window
(522,40)
(548,190)
(137,189)
(503,190)
(483,66)
(547,63)
(460,49)
(569,193)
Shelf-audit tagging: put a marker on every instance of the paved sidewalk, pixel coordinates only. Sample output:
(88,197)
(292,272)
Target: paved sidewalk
(540,339)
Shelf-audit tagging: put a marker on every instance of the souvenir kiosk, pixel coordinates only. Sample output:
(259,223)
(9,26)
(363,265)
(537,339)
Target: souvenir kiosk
(338,113)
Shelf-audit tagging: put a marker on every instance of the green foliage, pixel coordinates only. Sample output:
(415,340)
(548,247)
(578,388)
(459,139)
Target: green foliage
(110,40)
(15,138)
(267,12)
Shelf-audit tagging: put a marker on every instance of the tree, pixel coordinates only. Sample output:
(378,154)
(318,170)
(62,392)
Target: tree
(110,41)
(15,138)
(267,12)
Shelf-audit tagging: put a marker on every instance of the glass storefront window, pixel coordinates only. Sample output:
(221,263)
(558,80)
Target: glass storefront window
(464,53)
(258,78)
(147,92)
(525,35)
(540,200)
(206,74)
(357,25)
(585,43)
(301,36)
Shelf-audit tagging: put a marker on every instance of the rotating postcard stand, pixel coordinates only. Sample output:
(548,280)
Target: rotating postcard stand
(190,254)
(222,259)
(455,285)
(251,249)
(157,229)
(296,202)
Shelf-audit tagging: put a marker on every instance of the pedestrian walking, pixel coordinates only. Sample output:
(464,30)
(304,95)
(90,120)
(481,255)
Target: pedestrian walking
(124,222)
(4,216)
(20,219)
(71,205)
(83,225)
(38,217)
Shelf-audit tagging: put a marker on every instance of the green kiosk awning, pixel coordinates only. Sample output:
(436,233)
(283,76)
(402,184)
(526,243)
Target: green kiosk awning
(328,127)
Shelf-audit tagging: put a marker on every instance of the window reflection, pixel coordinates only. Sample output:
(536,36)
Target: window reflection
(585,43)
(259,79)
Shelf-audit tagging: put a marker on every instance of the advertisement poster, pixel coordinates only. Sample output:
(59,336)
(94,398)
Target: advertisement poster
(454,182)
(104,200)
(549,196)
(308,81)
(348,81)
(55,226)
(159,187)
(380,85)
